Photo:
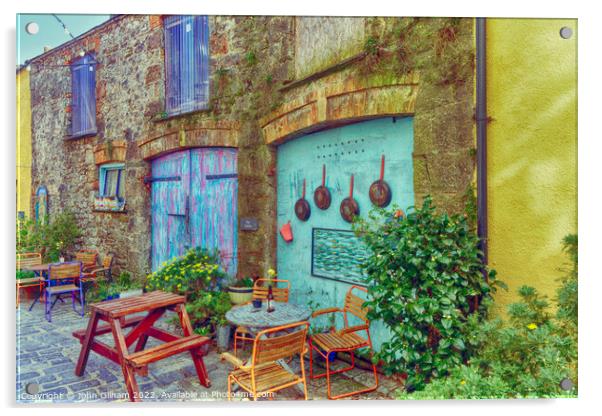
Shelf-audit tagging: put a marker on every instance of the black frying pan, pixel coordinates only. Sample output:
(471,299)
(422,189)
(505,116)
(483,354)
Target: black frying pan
(380,192)
(322,194)
(302,209)
(349,206)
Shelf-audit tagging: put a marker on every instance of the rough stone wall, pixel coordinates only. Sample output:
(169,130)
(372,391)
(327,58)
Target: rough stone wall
(253,83)
(323,41)
(130,106)
(126,53)
(420,67)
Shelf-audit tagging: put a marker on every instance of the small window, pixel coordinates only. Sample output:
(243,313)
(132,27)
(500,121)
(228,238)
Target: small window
(186,63)
(112,181)
(83,96)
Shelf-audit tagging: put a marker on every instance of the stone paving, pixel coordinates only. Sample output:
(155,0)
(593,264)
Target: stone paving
(47,353)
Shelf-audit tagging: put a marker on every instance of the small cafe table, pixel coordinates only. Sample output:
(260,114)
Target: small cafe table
(116,312)
(257,319)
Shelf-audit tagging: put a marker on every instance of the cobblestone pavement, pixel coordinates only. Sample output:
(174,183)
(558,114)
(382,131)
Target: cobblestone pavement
(47,354)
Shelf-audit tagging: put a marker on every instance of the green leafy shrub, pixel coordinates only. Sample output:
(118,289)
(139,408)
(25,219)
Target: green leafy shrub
(196,271)
(50,238)
(209,308)
(244,282)
(124,280)
(527,356)
(425,277)
(24,274)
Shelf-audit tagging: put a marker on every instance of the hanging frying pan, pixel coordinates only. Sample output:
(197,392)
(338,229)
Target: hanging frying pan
(349,206)
(322,194)
(302,209)
(380,192)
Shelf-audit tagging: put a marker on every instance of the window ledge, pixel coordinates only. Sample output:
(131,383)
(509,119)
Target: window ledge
(81,135)
(166,117)
(109,211)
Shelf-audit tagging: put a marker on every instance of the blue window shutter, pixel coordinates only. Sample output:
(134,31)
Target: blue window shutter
(172,65)
(89,106)
(75,99)
(83,96)
(201,60)
(186,63)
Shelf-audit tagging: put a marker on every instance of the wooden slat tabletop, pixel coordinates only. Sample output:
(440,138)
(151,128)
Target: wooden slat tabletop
(145,302)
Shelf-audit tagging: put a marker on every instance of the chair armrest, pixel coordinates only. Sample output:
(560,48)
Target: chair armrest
(235,361)
(350,329)
(325,311)
(101,269)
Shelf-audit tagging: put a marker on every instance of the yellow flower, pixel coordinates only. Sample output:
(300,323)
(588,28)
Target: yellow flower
(271,272)
(532,326)
(462,382)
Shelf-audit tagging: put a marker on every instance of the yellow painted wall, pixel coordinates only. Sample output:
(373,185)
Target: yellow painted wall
(23,142)
(532,150)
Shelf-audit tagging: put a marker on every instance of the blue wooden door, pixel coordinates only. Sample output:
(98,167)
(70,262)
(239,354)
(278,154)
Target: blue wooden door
(194,203)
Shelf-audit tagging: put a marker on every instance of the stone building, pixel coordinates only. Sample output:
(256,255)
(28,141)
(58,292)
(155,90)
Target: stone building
(208,130)
(270,80)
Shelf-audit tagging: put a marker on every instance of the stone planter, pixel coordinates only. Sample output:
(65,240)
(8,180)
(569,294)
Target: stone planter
(223,337)
(109,153)
(240,295)
(131,292)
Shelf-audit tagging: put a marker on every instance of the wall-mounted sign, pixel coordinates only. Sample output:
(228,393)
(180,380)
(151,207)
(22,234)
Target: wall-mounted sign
(249,224)
(338,255)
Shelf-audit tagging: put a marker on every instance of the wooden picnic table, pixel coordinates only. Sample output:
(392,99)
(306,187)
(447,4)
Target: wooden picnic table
(116,312)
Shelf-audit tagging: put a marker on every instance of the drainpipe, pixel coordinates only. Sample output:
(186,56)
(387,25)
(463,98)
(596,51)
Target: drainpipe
(481,119)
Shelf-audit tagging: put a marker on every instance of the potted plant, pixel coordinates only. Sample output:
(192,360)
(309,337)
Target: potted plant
(114,292)
(241,291)
(220,306)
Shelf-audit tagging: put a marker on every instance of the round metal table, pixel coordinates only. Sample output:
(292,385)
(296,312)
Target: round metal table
(257,319)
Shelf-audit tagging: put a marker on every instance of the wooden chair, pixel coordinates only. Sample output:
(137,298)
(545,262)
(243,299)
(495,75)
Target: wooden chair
(266,373)
(23,261)
(261,292)
(61,280)
(105,270)
(344,340)
(88,258)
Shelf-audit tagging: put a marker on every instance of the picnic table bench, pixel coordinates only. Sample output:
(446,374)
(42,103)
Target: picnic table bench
(115,313)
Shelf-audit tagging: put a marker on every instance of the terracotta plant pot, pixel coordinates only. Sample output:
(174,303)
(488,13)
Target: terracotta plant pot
(240,295)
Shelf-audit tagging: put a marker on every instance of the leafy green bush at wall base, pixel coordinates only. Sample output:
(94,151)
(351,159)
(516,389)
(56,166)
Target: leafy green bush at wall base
(425,279)
(52,237)
(527,356)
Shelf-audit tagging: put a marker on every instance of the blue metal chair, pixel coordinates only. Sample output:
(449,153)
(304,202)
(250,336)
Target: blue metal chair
(64,278)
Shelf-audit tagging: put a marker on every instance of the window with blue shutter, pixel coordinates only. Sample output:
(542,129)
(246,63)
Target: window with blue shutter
(111,183)
(83,96)
(186,63)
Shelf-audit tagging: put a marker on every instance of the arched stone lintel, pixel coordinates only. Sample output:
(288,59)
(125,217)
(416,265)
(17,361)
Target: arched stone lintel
(321,110)
(185,139)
